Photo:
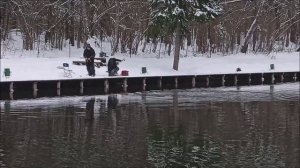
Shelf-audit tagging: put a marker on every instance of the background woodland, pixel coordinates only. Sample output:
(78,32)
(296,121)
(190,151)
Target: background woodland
(243,26)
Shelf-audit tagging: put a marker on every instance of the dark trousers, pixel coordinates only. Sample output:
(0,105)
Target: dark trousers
(113,72)
(90,68)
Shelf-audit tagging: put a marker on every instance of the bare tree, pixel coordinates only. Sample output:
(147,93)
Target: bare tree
(263,25)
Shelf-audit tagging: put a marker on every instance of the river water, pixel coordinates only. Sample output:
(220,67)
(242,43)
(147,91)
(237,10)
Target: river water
(234,127)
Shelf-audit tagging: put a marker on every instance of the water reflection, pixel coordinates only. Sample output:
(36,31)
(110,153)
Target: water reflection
(112,102)
(89,115)
(228,127)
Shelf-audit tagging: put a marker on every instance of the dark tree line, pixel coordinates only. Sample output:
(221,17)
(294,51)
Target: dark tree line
(244,25)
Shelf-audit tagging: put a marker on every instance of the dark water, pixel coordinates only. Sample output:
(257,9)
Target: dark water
(247,127)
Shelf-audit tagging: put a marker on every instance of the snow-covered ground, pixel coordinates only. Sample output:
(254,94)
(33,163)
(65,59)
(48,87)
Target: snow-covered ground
(45,68)
(29,65)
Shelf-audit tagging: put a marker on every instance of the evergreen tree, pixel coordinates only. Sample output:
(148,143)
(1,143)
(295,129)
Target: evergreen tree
(175,15)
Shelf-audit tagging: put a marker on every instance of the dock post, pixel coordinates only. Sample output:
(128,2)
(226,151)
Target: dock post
(11,90)
(282,78)
(159,83)
(34,86)
(58,84)
(295,77)
(144,84)
(207,81)
(235,80)
(223,80)
(125,85)
(249,79)
(272,78)
(106,86)
(35,89)
(11,87)
(81,87)
(176,82)
(194,82)
(11,95)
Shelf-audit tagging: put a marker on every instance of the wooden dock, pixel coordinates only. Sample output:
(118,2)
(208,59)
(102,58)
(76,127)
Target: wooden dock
(119,84)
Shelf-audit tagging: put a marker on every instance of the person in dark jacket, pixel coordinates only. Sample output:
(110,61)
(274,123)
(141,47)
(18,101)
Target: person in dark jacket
(112,66)
(89,55)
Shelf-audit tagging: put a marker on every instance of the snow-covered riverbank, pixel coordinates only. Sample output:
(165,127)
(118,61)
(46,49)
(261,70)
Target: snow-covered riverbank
(45,68)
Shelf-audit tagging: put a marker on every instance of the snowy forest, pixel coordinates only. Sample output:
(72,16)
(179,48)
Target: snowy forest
(238,26)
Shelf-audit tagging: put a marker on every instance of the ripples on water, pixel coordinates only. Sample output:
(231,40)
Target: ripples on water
(254,126)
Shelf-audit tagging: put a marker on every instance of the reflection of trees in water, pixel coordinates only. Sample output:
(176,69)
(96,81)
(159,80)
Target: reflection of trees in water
(254,134)
(234,134)
(168,148)
(115,139)
(208,134)
(6,110)
(112,101)
(258,134)
(248,155)
(171,149)
(90,107)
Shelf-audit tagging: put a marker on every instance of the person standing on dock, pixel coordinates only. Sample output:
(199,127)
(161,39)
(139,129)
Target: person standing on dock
(89,55)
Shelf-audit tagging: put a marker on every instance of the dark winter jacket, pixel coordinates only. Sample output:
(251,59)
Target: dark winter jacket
(89,54)
(112,63)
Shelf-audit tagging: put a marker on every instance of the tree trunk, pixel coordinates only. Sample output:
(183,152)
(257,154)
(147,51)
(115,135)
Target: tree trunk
(251,29)
(154,44)
(159,49)
(72,27)
(287,40)
(169,41)
(248,36)
(177,48)
(238,37)
(67,32)
(7,20)
(1,14)
(254,40)
(116,35)
(169,48)
(144,45)
(123,42)
(136,47)
(79,33)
